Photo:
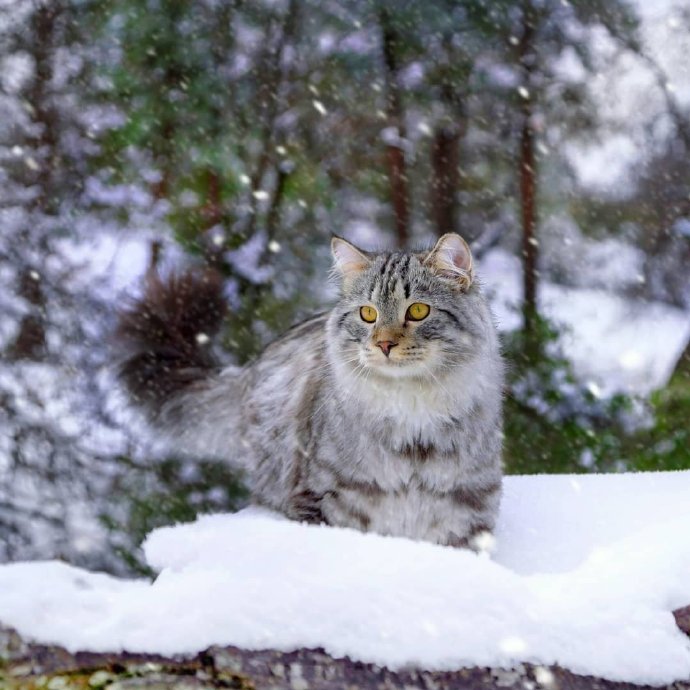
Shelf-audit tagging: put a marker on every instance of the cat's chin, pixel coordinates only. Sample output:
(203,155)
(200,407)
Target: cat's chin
(392,369)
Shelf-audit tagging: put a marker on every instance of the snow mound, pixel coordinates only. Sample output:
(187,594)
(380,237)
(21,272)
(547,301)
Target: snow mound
(586,573)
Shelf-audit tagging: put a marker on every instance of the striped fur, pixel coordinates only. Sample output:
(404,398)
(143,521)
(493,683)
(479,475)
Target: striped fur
(329,429)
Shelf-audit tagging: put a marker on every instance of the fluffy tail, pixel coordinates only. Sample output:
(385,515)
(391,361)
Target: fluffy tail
(166,336)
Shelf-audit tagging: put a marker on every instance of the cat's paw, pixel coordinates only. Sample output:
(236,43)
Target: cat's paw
(479,540)
(305,506)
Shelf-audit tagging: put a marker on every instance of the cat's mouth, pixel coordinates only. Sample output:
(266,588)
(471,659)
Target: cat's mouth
(393,365)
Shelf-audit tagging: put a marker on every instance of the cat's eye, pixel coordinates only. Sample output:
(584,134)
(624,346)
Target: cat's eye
(417,312)
(368,314)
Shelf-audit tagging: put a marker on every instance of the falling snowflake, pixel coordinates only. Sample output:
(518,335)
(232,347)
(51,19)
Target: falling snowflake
(595,389)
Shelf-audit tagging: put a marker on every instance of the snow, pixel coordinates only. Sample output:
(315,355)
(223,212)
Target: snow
(586,573)
(628,99)
(620,343)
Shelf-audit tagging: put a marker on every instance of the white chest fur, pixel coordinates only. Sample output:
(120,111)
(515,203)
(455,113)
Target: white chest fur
(415,407)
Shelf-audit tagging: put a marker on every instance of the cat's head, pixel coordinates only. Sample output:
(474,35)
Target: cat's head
(407,314)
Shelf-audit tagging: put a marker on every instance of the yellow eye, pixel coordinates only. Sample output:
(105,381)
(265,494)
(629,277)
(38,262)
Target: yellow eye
(417,311)
(368,314)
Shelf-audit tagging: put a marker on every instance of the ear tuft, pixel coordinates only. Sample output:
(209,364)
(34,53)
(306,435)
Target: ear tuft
(348,261)
(451,258)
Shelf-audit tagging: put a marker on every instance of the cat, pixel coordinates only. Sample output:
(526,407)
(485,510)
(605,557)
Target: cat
(383,414)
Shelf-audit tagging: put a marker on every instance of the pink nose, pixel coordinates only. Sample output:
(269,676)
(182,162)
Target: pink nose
(386,346)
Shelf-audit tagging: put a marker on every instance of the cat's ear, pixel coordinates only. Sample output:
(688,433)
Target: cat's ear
(348,261)
(451,258)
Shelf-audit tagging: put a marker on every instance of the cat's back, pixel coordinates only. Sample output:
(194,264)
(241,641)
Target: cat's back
(286,376)
(296,352)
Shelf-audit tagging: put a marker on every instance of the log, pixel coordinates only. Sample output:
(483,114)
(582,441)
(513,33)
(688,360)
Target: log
(682,617)
(25,665)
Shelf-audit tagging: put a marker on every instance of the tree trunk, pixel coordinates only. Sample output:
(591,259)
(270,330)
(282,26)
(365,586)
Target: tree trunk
(154,257)
(528,186)
(273,216)
(268,98)
(682,367)
(528,176)
(445,181)
(395,155)
(30,342)
(212,210)
(43,29)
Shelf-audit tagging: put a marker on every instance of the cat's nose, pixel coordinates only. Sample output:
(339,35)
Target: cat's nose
(386,346)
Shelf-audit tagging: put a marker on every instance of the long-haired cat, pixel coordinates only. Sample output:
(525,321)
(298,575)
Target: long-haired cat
(383,414)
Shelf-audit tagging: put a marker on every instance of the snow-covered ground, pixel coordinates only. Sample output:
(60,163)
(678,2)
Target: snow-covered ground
(621,344)
(585,573)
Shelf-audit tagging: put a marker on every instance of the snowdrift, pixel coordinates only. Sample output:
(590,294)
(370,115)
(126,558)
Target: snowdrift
(585,573)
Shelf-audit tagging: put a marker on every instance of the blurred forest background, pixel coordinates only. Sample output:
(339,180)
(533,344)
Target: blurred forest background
(142,134)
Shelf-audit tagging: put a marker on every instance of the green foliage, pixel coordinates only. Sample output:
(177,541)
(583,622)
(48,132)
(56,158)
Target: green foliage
(553,422)
(665,444)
